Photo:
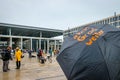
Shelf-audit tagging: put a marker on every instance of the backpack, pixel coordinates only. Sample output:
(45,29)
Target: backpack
(3,54)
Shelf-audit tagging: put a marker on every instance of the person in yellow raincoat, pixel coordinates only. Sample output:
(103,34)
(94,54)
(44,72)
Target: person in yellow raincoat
(18,55)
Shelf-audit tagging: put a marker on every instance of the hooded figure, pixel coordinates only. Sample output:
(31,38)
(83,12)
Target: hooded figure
(18,55)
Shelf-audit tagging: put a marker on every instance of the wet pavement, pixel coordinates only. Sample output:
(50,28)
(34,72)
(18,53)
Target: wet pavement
(32,69)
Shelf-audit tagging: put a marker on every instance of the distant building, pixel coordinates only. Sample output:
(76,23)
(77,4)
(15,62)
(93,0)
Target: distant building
(28,37)
(113,20)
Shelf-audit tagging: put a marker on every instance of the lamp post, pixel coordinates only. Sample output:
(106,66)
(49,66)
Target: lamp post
(115,18)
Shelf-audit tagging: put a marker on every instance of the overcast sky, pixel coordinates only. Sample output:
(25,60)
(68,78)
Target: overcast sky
(56,14)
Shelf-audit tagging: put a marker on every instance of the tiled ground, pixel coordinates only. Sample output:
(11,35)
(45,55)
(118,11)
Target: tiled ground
(31,69)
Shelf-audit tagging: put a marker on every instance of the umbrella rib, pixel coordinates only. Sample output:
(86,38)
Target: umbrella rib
(104,60)
(75,62)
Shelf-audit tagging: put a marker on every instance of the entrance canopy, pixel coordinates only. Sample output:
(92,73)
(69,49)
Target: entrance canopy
(28,37)
(21,30)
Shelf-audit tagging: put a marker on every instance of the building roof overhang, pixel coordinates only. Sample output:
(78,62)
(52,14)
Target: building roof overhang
(22,30)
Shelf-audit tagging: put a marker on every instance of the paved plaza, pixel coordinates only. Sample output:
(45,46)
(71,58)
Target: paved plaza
(32,69)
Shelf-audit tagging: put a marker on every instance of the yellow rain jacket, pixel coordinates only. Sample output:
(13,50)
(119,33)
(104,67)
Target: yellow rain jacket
(18,55)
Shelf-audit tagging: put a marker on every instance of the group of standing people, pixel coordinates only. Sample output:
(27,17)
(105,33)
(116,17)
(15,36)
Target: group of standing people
(42,56)
(6,56)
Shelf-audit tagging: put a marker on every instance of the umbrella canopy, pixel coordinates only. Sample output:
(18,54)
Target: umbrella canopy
(93,53)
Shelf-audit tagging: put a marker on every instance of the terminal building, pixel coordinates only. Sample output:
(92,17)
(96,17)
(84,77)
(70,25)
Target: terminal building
(28,37)
(112,20)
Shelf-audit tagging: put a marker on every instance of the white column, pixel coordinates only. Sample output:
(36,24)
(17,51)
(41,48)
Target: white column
(31,43)
(10,43)
(58,45)
(47,45)
(55,45)
(40,40)
(10,31)
(44,46)
(21,43)
(39,43)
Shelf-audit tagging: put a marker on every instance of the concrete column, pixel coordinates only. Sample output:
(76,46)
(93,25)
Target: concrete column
(10,42)
(21,43)
(58,45)
(39,43)
(40,34)
(40,40)
(44,46)
(10,31)
(31,43)
(55,45)
(47,45)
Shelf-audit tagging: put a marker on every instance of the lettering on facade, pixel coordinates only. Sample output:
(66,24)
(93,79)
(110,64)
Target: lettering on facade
(84,33)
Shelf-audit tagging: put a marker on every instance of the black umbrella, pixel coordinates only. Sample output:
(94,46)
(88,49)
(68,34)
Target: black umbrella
(93,53)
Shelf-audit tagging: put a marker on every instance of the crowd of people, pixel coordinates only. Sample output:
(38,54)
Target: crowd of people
(8,54)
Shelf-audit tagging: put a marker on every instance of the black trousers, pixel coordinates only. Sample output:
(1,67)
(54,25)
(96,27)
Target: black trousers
(18,64)
(5,65)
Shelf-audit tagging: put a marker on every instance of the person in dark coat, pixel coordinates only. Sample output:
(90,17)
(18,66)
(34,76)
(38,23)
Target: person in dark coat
(30,53)
(6,56)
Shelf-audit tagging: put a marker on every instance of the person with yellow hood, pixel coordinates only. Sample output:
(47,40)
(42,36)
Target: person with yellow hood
(18,55)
